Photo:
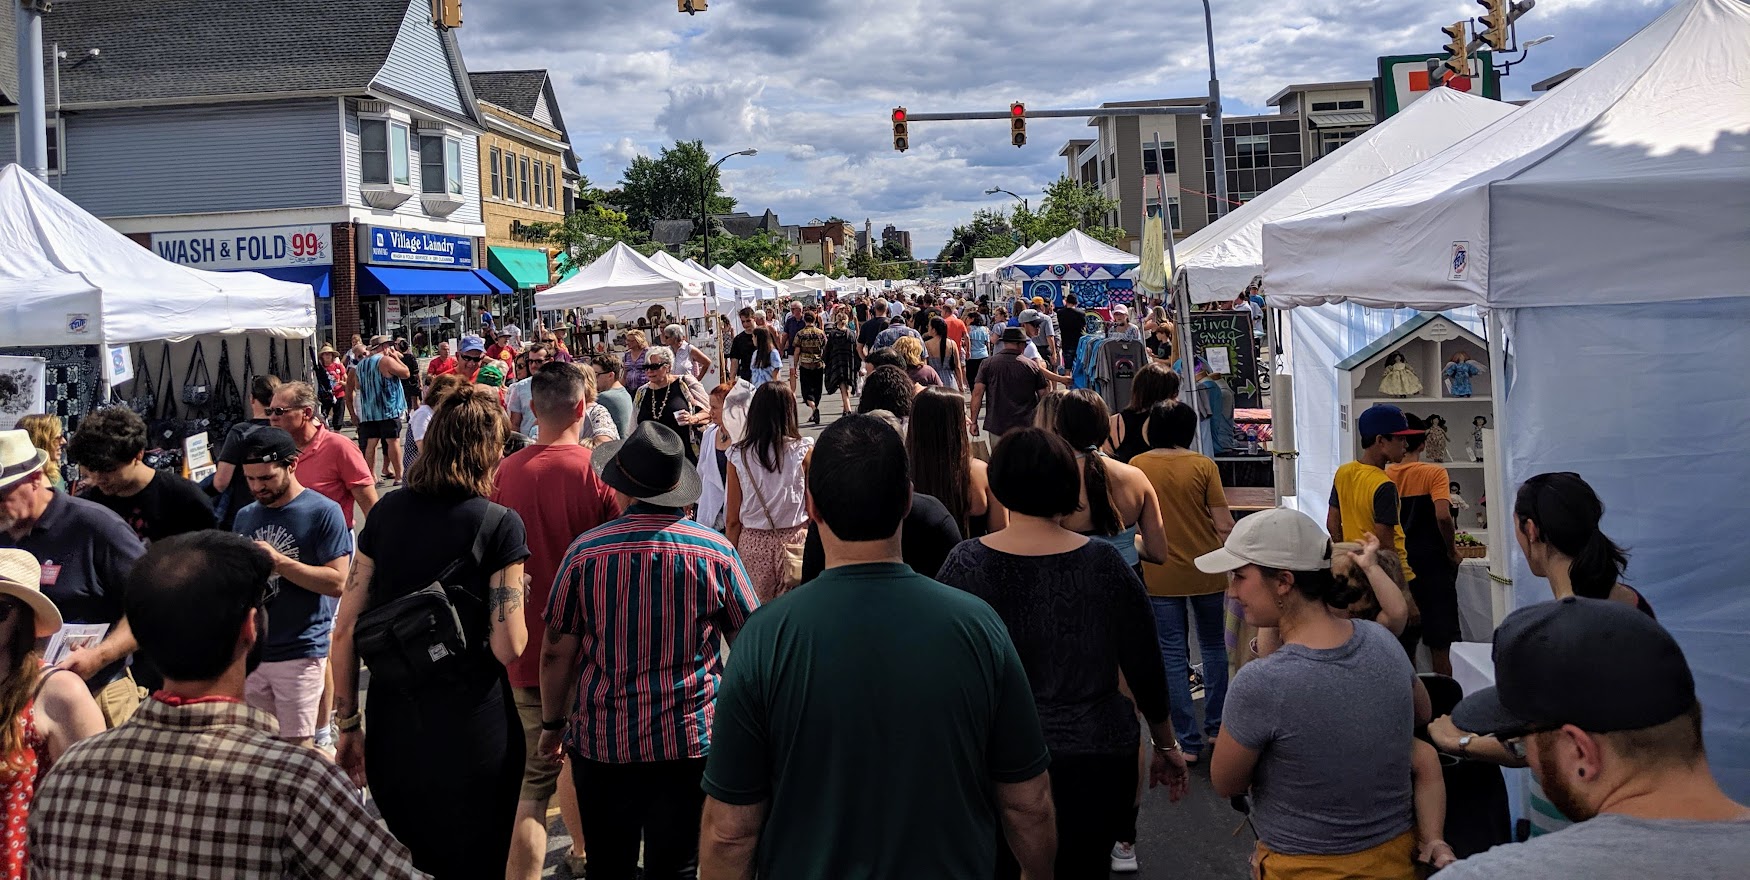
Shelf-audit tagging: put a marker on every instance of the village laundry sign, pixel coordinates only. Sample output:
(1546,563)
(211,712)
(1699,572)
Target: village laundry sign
(382,246)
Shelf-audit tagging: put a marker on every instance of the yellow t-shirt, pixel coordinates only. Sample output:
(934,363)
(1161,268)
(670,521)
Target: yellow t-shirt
(1188,485)
(1366,495)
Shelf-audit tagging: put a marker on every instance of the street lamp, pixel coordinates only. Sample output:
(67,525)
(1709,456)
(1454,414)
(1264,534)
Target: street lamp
(1022,199)
(1217,137)
(705,198)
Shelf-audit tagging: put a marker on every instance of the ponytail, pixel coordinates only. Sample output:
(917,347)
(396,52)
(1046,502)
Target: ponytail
(1100,507)
(1597,567)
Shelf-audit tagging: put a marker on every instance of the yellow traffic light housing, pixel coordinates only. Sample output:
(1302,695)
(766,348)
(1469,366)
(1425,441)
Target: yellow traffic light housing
(1495,22)
(1457,48)
(901,130)
(1018,124)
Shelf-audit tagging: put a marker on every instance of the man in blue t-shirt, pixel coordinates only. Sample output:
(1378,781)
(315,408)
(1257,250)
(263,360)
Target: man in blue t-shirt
(311,547)
(375,388)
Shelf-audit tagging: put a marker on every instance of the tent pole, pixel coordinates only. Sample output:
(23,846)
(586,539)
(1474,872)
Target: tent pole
(1495,477)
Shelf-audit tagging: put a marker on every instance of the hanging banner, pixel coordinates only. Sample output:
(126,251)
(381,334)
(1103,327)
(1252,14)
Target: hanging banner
(22,391)
(267,247)
(118,366)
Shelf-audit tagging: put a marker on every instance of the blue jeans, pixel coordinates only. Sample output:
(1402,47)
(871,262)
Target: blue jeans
(1170,625)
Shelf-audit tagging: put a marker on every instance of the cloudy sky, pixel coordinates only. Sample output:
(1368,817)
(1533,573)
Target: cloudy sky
(809,83)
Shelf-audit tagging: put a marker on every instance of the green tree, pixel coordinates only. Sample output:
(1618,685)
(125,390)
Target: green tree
(588,231)
(1069,204)
(989,234)
(668,186)
(765,252)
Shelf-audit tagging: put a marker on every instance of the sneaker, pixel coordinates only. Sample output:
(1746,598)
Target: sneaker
(1123,858)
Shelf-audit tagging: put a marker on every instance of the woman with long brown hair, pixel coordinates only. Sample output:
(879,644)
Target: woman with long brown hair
(764,511)
(942,465)
(41,713)
(445,757)
(1151,385)
(1118,502)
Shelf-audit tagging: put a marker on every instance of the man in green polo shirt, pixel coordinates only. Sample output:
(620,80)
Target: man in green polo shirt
(873,722)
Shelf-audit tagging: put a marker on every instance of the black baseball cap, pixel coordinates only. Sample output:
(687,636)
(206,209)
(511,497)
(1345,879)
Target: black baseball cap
(268,445)
(1383,418)
(1599,665)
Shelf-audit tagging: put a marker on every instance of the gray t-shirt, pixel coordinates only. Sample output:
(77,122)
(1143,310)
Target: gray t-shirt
(1333,728)
(1619,848)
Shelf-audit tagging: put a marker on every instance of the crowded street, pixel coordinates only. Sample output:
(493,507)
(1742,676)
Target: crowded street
(612,442)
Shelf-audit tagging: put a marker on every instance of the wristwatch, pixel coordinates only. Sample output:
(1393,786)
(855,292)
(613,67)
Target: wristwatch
(1169,749)
(1464,744)
(349,723)
(553,726)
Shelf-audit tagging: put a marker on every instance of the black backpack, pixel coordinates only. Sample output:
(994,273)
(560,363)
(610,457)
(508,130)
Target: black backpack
(417,640)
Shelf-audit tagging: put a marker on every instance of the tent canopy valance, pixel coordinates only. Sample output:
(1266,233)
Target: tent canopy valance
(626,282)
(70,279)
(1074,255)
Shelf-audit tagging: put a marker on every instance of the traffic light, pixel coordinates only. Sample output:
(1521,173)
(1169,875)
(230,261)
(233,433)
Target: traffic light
(1457,48)
(901,135)
(1494,24)
(690,7)
(1018,124)
(553,265)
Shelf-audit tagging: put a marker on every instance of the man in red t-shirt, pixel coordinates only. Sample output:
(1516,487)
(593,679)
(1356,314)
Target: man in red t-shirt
(502,350)
(956,327)
(327,462)
(441,365)
(558,495)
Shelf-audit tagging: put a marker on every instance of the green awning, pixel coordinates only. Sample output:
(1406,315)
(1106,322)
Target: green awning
(521,268)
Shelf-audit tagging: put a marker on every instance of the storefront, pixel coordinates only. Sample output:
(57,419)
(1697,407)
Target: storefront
(526,270)
(302,253)
(411,281)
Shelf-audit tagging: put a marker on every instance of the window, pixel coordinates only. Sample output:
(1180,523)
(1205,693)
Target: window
(1324,105)
(1350,105)
(431,165)
(509,176)
(1173,212)
(540,191)
(55,146)
(497,177)
(1252,151)
(1152,162)
(453,166)
(523,180)
(400,163)
(374,150)
(552,191)
(1329,141)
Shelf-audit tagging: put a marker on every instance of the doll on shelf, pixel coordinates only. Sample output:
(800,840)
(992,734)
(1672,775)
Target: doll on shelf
(1459,372)
(1436,446)
(1476,437)
(1399,380)
(1456,500)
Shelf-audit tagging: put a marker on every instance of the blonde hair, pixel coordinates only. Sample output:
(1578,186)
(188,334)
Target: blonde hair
(44,429)
(910,349)
(643,341)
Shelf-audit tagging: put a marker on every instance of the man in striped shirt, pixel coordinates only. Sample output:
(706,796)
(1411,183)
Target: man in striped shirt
(632,659)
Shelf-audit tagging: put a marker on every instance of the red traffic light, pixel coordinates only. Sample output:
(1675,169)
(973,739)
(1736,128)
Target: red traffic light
(1017,109)
(899,114)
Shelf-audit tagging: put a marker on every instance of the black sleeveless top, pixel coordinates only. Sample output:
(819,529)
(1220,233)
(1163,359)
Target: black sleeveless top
(1133,444)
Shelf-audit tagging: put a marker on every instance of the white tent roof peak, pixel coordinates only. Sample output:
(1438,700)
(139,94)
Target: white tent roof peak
(625,281)
(1076,246)
(71,279)
(1221,259)
(1628,183)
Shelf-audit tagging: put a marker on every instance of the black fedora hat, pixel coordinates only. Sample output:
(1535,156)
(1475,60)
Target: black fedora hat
(651,465)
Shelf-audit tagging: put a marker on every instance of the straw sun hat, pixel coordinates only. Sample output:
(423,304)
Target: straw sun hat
(21,578)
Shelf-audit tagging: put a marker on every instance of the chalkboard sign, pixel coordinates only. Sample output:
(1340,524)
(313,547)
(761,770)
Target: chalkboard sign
(1231,331)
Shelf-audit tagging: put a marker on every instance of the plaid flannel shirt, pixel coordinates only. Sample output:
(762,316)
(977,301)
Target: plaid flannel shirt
(203,790)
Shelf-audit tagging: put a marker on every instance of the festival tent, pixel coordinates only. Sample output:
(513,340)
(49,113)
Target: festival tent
(769,288)
(732,292)
(1603,228)
(1222,259)
(624,281)
(70,279)
(716,296)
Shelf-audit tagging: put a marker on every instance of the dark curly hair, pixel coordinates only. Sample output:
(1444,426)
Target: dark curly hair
(107,439)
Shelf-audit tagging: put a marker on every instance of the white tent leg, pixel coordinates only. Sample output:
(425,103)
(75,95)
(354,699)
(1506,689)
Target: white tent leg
(1495,476)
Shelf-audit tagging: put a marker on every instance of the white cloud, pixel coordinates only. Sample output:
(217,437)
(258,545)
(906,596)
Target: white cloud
(809,82)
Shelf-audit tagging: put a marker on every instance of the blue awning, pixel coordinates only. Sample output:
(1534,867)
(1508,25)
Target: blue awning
(318,277)
(396,281)
(492,281)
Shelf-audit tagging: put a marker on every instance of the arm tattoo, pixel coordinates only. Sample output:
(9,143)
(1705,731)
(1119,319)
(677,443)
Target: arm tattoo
(504,599)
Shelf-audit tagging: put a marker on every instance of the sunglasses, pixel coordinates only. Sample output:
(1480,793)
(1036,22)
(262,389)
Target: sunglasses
(282,410)
(535,362)
(472,357)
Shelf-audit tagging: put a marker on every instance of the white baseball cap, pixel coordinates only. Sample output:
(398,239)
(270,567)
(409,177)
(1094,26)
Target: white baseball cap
(1275,538)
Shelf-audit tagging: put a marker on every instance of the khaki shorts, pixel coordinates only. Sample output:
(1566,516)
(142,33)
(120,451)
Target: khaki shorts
(540,776)
(1391,860)
(118,700)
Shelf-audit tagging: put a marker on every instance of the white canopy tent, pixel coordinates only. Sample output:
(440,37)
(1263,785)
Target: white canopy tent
(70,279)
(1082,257)
(769,288)
(1221,260)
(732,292)
(716,297)
(623,282)
(1604,228)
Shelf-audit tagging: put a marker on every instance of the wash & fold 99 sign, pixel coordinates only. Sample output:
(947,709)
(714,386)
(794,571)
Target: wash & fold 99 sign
(261,248)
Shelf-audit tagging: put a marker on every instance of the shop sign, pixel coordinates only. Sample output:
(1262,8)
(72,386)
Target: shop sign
(267,247)
(403,247)
(393,307)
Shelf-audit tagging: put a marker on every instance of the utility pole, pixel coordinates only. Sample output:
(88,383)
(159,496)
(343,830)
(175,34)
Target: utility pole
(33,135)
(1217,137)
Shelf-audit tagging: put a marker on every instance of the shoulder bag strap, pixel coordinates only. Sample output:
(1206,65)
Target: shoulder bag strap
(489,523)
(761,496)
(167,374)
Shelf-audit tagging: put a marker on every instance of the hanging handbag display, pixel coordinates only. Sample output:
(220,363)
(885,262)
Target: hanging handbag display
(273,362)
(145,398)
(197,383)
(228,408)
(416,641)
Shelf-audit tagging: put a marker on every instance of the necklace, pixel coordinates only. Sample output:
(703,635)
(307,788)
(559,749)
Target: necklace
(662,405)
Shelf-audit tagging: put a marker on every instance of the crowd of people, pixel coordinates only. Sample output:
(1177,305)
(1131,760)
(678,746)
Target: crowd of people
(947,636)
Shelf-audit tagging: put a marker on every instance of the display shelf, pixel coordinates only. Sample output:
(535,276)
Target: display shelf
(1418,401)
